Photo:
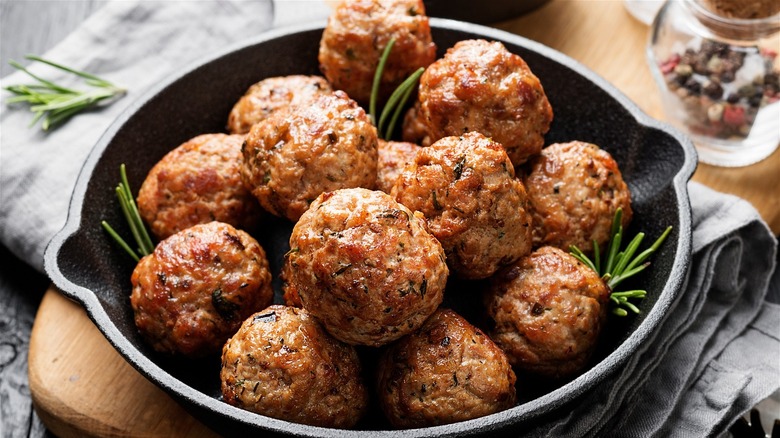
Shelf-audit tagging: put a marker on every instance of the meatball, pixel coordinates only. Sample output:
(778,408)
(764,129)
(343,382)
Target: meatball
(365,266)
(574,190)
(414,129)
(293,156)
(481,86)
(392,157)
(193,291)
(446,371)
(272,94)
(282,364)
(289,290)
(467,190)
(198,182)
(547,310)
(356,35)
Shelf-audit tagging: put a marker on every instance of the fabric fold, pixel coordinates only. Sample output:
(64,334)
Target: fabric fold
(133,44)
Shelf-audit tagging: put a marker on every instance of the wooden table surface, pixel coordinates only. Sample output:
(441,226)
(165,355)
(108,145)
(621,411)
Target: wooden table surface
(82,387)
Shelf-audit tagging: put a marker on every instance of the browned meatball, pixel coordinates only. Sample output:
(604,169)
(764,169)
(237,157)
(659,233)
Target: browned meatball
(467,190)
(393,156)
(414,128)
(446,371)
(365,266)
(193,291)
(272,94)
(198,182)
(548,311)
(357,33)
(282,364)
(481,86)
(574,190)
(293,156)
(289,289)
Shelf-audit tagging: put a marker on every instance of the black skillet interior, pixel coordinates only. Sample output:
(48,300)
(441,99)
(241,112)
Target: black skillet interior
(87,266)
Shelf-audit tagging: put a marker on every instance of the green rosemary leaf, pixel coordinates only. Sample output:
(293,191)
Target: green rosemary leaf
(631,306)
(637,293)
(120,241)
(596,257)
(627,274)
(378,79)
(53,104)
(49,85)
(129,219)
(132,217)
(579,255)
(620,265)
(145,241)
(397,95)
(614,247)
(649,251)
(70,70)
(401,104)
(619,311)
(626,255)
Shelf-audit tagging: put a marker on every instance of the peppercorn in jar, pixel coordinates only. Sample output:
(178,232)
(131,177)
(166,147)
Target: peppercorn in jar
(718,74)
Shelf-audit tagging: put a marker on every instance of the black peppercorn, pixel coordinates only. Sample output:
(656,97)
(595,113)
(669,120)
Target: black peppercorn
(727,76)
(713,90)
(693,86)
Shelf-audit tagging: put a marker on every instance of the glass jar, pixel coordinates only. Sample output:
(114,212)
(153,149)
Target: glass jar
(643,10)
(718,78)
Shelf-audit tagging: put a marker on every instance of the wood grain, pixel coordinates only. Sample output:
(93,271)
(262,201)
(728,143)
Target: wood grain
(34,26)
(81,386)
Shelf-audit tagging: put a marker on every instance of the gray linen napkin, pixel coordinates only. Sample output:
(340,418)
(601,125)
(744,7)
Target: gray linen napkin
(716,355)
(133,44)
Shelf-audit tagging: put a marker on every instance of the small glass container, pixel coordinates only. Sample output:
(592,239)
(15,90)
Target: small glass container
(718,78)
(643,10)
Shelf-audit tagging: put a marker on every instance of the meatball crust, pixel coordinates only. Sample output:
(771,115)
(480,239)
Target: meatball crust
(193,291)
(293,156)
(547,310)
(447,371)
(481,86)
(414,129)
(365,266)
(392,156)
(356,35)
(467,190)
(198,182)
(574,190)
(272,94)
(283,364)
(289,289)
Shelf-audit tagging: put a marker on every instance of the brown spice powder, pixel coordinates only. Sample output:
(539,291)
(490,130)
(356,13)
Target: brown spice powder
(744,9)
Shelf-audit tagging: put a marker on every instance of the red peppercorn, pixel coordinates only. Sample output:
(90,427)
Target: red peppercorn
(734,115)
(669,65)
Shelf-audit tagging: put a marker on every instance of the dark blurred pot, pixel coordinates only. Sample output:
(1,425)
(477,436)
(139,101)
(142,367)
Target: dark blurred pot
(486,11)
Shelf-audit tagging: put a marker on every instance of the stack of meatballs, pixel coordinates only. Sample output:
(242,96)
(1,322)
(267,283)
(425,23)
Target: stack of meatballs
(468,192)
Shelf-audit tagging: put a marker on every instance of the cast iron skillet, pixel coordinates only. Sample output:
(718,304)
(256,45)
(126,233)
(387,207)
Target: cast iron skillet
(85,264)
(489,11)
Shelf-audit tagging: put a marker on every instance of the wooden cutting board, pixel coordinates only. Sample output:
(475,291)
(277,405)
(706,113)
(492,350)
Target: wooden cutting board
(82,387)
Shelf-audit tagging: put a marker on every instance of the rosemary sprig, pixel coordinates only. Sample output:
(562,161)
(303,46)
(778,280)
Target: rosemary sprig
(380,68)
(54,103)
(397,102)
(386,122)
(620,264)
(133,218)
